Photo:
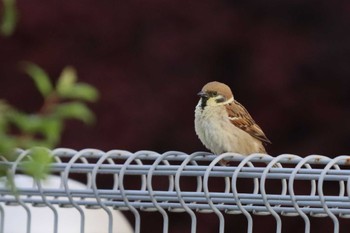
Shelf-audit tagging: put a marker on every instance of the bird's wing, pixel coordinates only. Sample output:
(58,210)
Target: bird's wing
(240,117)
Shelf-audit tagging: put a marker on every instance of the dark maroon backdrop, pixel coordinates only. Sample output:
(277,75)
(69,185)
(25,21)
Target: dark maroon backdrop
(287,61)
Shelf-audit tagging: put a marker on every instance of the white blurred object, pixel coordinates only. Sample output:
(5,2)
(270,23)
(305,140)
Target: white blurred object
(96,220)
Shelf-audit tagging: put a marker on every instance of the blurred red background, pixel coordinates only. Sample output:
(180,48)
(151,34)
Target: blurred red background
(287,61)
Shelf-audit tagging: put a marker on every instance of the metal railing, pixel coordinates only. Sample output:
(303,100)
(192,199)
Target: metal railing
(125,170)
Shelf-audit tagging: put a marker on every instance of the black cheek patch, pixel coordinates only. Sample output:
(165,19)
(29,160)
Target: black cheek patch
(204,102)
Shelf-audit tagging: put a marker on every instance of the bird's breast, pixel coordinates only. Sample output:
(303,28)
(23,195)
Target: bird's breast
(219,135)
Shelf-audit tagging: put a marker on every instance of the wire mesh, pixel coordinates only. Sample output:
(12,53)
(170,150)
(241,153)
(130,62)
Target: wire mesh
(134,186)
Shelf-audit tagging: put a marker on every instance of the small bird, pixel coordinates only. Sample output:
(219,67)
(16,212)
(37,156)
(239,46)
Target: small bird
(224,125)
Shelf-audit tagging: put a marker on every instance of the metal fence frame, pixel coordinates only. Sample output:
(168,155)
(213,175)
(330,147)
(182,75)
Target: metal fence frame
(174,165)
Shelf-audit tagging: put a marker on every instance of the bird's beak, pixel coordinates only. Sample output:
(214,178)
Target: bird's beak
(203,94)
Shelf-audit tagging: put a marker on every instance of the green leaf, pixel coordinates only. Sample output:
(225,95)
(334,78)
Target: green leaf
(66,80)
(38,164)
(47,128)
(75,110)
(69,89)
(9,17)
(7,146)
(51,128)
(81,91)
(26,123)
(40,77)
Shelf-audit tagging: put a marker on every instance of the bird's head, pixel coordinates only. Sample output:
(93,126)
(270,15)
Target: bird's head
(215,94)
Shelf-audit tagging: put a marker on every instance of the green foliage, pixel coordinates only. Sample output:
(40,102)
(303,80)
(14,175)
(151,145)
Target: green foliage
(75,110)
(40,77)
(63,101)
(67,87)
(42,129)
(38,163)
(9,17)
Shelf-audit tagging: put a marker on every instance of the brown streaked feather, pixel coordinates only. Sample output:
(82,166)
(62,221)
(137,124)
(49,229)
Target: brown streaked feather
(240,117)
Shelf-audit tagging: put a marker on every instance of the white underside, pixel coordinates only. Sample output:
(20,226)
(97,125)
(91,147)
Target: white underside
(219,135)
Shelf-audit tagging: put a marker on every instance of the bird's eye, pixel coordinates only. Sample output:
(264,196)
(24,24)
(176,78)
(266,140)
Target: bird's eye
(214,93)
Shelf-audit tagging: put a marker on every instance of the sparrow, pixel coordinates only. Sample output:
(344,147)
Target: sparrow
(224,125)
